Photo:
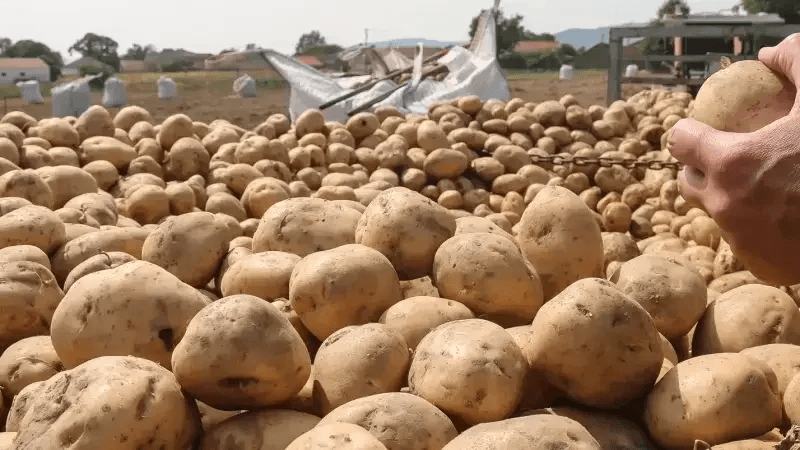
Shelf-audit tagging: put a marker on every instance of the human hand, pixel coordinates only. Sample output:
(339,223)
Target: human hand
(749,183)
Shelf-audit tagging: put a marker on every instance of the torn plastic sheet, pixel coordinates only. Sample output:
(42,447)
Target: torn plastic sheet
(473,71)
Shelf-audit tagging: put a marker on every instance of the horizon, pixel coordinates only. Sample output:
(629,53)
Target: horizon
(234,29)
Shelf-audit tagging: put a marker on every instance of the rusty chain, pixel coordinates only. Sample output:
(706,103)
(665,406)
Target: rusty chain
(581,161)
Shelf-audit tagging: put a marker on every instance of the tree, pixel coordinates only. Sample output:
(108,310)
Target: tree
(138,52)
(228,50)
(509,31)
(327,49)
(250,47)
(4,44)
(101,48)
(789,10)
(32,49)
(309,40)
(669,6)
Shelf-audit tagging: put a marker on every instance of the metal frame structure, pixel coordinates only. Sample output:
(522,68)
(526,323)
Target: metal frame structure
(616,35)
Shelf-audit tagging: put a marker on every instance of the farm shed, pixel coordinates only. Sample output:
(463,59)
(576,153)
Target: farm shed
(157,61)
(528,47)
(21,69)
(310,60)
(74,67)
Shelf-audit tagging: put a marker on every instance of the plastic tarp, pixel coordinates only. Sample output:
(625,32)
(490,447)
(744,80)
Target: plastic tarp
(166,88)
(245,86)
(114,93)
(632,70)
(30,91)
(473,71)
(395,60)
(72,99)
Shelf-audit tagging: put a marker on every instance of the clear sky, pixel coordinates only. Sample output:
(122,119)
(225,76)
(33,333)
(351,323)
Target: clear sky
(210,26)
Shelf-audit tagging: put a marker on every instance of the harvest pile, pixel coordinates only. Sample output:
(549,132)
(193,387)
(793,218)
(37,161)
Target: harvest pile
(392,283)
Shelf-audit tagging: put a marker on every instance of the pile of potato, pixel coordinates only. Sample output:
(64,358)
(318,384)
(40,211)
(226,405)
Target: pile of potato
(392,283)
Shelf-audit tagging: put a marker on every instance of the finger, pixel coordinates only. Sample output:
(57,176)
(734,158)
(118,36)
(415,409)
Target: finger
(692,186)
(697,144)
(784,58)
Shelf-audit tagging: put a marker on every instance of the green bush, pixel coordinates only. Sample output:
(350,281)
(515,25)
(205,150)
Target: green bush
(97,83)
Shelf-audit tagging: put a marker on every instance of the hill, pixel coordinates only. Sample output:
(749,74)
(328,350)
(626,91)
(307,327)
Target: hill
(583,37)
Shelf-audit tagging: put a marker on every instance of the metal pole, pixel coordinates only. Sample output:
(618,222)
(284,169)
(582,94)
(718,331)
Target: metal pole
(366,36)
(614,69)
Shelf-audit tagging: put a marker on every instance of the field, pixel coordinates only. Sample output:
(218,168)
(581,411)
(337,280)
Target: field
(206,96)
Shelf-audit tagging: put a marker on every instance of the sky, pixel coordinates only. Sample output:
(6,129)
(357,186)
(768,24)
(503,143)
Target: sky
(209,26)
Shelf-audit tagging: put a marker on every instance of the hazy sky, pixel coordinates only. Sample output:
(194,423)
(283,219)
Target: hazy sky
(210,26)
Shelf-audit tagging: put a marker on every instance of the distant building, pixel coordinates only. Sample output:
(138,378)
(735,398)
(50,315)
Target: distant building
(156,61)
(74,67)
(17,69)
(528,47)
(599,56)
(132,65)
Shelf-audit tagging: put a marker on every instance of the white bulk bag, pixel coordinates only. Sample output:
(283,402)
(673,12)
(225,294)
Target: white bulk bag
(72,99)
(632,70)
(114,92)
(166,88)
(245,86)
(566,73)
(30,91)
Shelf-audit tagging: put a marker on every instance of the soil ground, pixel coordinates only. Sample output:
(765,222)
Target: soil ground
(206,96)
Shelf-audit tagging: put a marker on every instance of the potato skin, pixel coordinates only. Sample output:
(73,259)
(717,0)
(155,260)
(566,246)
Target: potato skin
(400,421)
(106,392)
(347,285)
(258,430)
(136,309)
(673,294)
(265,275)
(359,361)
(190,246)
(415,317)
(537,431)
(240,352)
(96,263)
(337,436)
(595,344)
(305,225)
(482,363)
(407,228)
(27,361)
(487,273)
(32,225)
(29,295)
(558,234)
(716,398)
(78,250)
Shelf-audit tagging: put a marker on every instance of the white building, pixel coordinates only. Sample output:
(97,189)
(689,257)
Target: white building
(18,69)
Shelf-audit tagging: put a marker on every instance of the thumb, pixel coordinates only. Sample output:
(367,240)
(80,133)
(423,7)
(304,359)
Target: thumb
(696,144)
(785,58)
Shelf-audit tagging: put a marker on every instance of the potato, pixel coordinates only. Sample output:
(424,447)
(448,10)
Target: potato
(174,128)
(27,361)
(272,370)
(488,274)
(103,172)
(595,344)
(99,206)
(95,121)
(265,275)
(618,247)
(445,163)
(554,228)
(471,369)
(305,225)
(407,228)
(104,148)
(29,185)
(96,263)
(365,286)
(57,131)
(186,157)
(753,94)
(414,317)
(338,436)
(190,246)
(146,204)
(400,421)
(611,431)
(103,393)
(217,137)
(259,430)
(32,225)
(359,361)
(24,253)
(783,359)
(142,310)
(673,293)
(745,317)
(536,431)
(128,116)
(716,398)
